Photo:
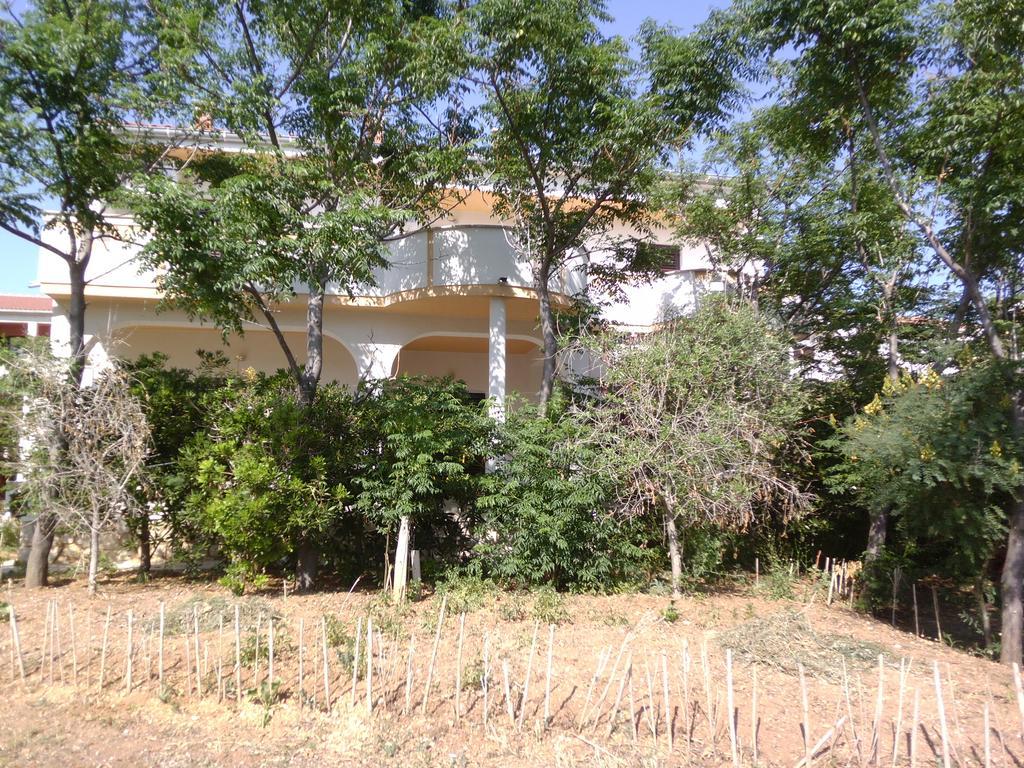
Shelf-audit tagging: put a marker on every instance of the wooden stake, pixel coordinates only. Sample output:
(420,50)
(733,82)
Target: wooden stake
(712,724)
(408,678)
(876,725)
(369,665)
(687,720)
(129,651)
(302,649)
(731,704)
(508,693)
(666,702)
(547,677)
(526,680)
(904,671)
(220,657)
(17,644)
(160,650)
(913,728)
(941,707)
(917,623)
(270,651)
(326,663)
(238,656)
(987,739)
(753,716)
(602,659)
(807,716)
(1019,686)
(355,658)
(103,651)
(626,673)
(56,632)
(199,670)
(458,667)
(632,707)
(433,654)
(935,607)
(652,712)
(484,682)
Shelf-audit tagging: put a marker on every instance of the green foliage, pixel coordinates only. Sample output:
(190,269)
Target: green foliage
(549,606)
(466,591)
(543,521)
(942,456)
(671,613)
(270,471)
(691,423)
(425,442)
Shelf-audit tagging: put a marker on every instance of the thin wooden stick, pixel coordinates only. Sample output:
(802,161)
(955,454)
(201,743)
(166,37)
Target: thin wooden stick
(508,693)
(904,672)
(935,607)
(987,736)
(48,638)
(129,652)
(821,742)
(687,720)
(1019,686)
(17,644)
(710,713)
(627,671)
(652,712)
(188,660)
(807,716)
(731,704)
(611,678)
(369,665)
(484,681)
(302,649)
(270,651)
(753,716)
(220,657)
(526,681)
(458,668)
(433,654)
(876,725)
(199,670)
(160,650)
(56,632)
(666,701)
(408,677)
(913,728)
(238,656)
(941,707)
(547,677)
(917,623)
(355,657)
(103,652)
(602,659)
(632,707)
(326,663)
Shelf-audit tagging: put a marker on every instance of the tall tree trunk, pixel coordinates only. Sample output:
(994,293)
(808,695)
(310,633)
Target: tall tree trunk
(37,569)
(674,553)
(876,534)
(401,577)
(1012,580)
(94,550)
(145,545)
(307,565)
(547,329)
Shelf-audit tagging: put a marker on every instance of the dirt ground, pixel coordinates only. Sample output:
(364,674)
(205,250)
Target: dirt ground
(618,665)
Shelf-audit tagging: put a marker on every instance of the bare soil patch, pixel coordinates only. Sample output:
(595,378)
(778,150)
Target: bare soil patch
(627,686)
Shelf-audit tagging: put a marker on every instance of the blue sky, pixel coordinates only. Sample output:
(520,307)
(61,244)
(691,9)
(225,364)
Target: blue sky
(18,259)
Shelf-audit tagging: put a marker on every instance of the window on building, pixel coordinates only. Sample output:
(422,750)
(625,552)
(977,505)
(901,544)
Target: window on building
(665,256)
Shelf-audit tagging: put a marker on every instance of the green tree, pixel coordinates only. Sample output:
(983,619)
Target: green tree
(270,471)
(575,138)
(689,423)
(936,89)
(346,140)
(71,75)
(425,442)
(543,521)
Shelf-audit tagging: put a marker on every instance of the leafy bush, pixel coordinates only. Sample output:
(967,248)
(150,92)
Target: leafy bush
(544,521)
(270,472)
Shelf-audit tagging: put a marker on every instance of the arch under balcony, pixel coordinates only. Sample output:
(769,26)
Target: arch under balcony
(257,349)
(465,357)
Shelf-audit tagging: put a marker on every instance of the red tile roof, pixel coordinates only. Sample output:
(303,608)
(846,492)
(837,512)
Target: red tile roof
(25,303)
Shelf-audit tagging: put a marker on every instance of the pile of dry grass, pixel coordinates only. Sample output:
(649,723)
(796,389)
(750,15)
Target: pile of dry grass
(785,640)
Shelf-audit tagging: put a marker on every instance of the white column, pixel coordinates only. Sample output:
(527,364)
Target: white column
(496,363)
(33,329)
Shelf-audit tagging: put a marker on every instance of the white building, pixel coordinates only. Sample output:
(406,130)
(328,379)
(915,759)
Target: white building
(456,300)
